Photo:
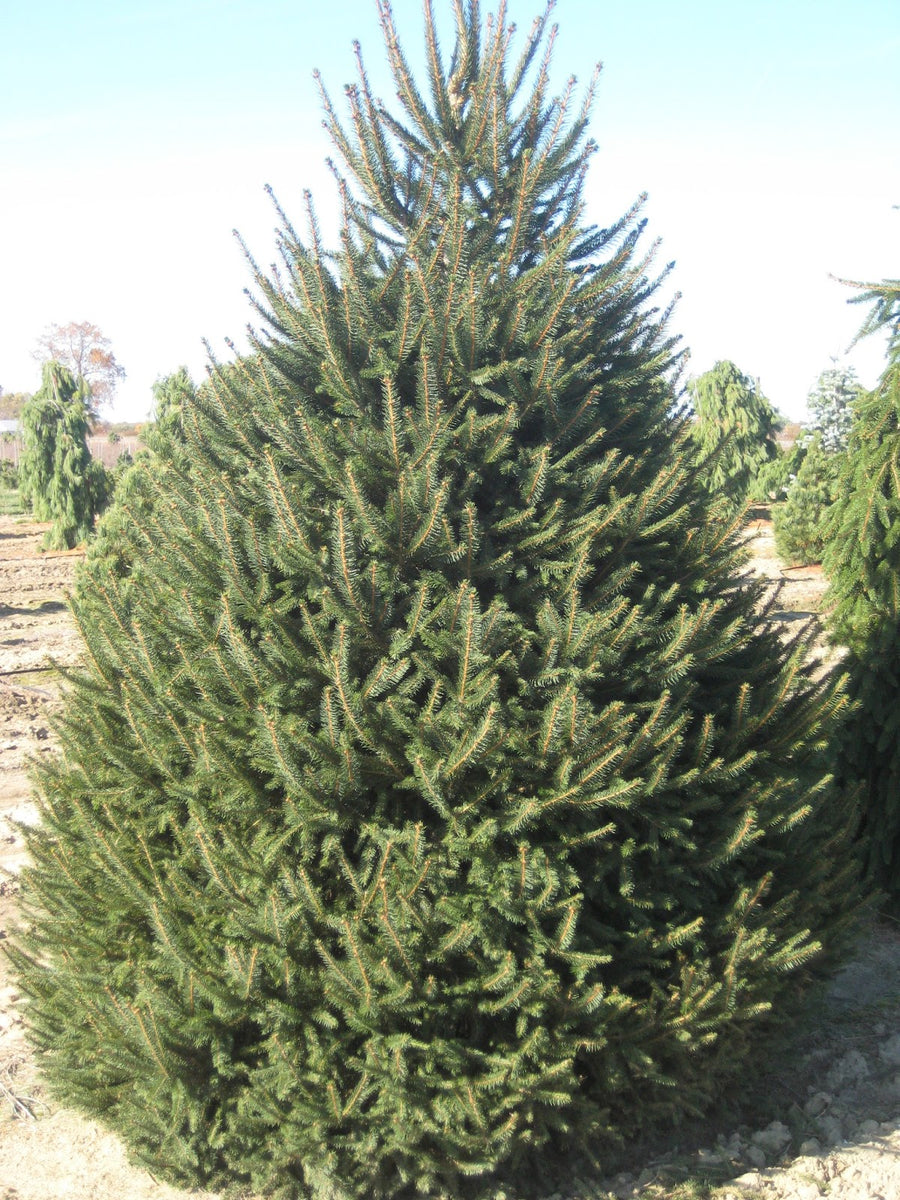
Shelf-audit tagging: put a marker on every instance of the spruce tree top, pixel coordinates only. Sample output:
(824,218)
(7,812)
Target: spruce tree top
(734,429)
(466,208)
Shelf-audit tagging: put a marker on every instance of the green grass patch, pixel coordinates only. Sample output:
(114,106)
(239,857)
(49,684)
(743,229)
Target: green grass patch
(11,503)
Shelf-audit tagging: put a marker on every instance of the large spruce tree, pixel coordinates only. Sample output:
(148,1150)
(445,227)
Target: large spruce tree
(862,560)
(433,791)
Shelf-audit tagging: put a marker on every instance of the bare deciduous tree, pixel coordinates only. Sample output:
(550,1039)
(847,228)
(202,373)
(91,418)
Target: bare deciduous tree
(86,351)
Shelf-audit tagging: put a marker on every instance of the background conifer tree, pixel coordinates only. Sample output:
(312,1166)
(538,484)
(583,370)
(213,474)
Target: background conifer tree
(830,403)
(734,429)
(121,535)
(772,480)
(807,478)
(58,476)
(801,522)
(439,797)
(862,561)
(171,396)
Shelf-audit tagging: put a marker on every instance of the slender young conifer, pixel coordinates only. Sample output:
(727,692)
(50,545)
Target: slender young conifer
(59,479)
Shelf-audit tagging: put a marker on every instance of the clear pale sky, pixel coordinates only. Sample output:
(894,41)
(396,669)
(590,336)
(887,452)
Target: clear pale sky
(135,134)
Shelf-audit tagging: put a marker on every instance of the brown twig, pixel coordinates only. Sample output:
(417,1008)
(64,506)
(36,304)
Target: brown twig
(21,1105)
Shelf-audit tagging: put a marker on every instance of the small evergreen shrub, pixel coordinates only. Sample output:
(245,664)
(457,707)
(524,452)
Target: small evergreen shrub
(9,474)
(10,498)
(433,793)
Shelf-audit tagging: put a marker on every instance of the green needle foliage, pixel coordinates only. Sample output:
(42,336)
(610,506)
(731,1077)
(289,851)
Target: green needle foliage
(117,547)
(433,793)
(801,522)
(831,402)
(58,476)
(171,396)
(775,477)
(863,563)
(734,430)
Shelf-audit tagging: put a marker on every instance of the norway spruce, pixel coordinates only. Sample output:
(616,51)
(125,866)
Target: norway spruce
(432,793)
(862,560)
(801,522)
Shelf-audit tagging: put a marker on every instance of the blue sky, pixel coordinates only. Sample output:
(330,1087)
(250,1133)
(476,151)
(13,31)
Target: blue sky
(134,135)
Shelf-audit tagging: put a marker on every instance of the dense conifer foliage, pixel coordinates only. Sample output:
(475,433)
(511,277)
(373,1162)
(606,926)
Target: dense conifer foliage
(121,532)
(863,563)
(734,430)
(831,402)
(58,477)
(433,793)
(801,522)
(774,477)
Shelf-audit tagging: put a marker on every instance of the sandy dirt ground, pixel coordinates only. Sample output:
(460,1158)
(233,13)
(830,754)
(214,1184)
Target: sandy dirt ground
(34,623)
(47,1153)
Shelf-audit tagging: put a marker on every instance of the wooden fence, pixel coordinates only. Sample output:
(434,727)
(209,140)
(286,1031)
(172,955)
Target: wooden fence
(100,448)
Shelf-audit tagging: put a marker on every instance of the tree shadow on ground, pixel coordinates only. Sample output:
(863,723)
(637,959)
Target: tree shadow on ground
(46,606)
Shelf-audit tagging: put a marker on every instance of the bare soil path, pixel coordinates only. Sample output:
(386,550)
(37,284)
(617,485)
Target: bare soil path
(828,1122)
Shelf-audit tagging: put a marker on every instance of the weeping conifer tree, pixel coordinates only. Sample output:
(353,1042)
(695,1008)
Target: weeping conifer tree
(59,479)
(432,793)
(734,430)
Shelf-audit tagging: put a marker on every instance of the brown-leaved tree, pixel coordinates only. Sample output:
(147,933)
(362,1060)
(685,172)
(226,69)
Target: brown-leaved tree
(86,352)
